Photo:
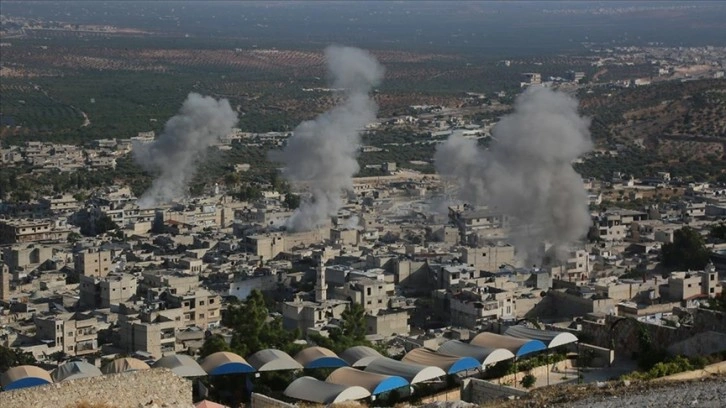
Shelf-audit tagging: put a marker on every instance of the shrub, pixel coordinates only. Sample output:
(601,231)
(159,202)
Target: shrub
(528,381)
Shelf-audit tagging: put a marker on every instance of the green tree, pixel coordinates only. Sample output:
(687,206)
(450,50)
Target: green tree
(687,251)
(292,201)
(213,344)
(12,358)
(254,329)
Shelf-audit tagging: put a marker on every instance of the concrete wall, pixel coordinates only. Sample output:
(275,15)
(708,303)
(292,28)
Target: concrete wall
(450,395)
(263,401)
(480,391)
(127,390)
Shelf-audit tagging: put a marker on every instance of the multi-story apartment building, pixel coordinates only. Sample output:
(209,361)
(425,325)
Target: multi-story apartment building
(19,231)
(199,307)
(93,263)
(153,332)
(110,290)
(76,334)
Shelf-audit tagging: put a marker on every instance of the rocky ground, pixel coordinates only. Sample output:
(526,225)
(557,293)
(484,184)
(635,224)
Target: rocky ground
(705,393)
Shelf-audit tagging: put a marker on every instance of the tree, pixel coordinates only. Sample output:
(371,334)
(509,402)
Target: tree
(352,331)
(687,251)
(254,330)
(292,201)
(213,344)
(12,358)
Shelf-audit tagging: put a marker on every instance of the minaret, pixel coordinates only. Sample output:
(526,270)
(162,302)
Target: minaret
(4,282)
(321,288)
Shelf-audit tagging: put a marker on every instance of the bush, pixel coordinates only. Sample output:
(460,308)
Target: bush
(528,381)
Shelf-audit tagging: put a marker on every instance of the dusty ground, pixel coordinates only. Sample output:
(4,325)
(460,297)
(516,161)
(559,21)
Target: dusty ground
(710,392)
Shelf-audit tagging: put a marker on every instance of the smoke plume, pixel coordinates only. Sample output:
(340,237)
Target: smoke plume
(321,154)
(527,172)
(172,157)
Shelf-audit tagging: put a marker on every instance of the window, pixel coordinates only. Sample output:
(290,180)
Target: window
(711,290)
(211,301)
(201,303)
(70,334)
(368,302)
(689,285)
(380,301)
(368,291)
(713,277)
(201,315)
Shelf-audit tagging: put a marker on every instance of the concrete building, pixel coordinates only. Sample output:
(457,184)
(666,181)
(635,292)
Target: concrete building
(76,334)
(26,256)
(92,263)
(305,315)
(388,323)
(691,285)
(200,308)
(19,231)
(489,257)
(372,294)
(114,289)
(152,332)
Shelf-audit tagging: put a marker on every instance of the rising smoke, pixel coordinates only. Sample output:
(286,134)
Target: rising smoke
(201,121)
(321,154)
(527,173)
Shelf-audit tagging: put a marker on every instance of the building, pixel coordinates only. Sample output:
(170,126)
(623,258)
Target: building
(152,332)
(489,257)
(92,263)
(692,285)
(531,78)
(199,307)
(20,231)
(304,315)
(388,323)
(26,256)
(103,292)
(76,334)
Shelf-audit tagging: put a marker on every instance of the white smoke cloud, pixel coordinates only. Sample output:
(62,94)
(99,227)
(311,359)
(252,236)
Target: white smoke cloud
(321,154)
(527,172)
(173,155)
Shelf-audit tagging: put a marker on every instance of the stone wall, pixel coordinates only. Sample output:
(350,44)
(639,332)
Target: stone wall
(147,388)
(480,391)
(263,401)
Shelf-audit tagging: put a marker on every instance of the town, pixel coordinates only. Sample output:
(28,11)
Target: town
(219,274)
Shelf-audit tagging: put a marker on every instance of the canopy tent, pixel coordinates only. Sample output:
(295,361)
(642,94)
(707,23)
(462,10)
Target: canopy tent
(73,370)
(549,337)
(374,383)
(447,362)
(519,347)
(122,365)
(321,392)
(413,373)
(319,357)
(224,362)
(23,377)
(208,404)
(181,365)
(360,356)
(485,355)
(273,360)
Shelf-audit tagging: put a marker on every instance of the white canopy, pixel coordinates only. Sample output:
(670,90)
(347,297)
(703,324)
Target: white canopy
(73,370)
(359,356)
(374,383)
(181,365)
(485,355)
(550,338)
(519,347)
(273,360)
(413,373)
(321,392)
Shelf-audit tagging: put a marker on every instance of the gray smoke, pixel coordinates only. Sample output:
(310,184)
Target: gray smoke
(321,154)
(201,121)
(527,173)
